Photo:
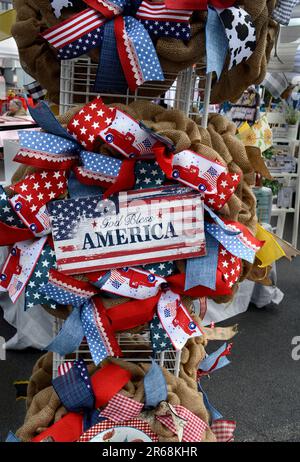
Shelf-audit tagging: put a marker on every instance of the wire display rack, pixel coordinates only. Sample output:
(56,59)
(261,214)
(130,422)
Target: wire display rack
(188,90)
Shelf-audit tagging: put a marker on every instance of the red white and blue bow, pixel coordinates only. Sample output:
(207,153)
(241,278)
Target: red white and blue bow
(123,29)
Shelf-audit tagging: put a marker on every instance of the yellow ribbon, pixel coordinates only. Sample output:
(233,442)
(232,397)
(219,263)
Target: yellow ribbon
(271,250)
(7,19)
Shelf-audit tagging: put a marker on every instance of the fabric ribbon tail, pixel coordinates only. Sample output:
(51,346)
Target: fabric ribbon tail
(110,77)
(125,180)
(69,337)
(216,43)
(132,40)
(155,386)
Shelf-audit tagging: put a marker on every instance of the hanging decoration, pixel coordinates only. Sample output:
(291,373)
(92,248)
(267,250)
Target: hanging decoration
(123,30)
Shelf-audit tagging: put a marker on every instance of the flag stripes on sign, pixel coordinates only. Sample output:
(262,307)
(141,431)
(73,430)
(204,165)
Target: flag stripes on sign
(167,228)
(73,29)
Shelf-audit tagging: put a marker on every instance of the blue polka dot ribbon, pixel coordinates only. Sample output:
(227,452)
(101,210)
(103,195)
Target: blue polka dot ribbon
(123,30)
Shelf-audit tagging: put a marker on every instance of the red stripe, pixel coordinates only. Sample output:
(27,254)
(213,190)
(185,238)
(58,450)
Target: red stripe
(119,26)
(124,252)
(159,259)
(66,22)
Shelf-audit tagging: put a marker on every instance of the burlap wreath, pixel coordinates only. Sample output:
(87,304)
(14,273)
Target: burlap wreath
(44,407)
(40,61)
(218,141)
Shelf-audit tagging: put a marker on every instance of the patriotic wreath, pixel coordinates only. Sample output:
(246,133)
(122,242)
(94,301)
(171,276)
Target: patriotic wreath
(146,41)
(140,225)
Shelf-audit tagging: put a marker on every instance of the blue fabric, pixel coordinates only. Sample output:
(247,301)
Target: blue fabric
(145,51)
(74,388)
(77,189)
(209,361)
(93,334)
(70,336)
(62,295)
(159,338)
(230,242)
(7,213)
(110,76)
(12,438)
(99,163)
(214,413)
(91,417)
(220,222)
(216,43)
(202,271)
(38,279)
(155,386)
(45,118)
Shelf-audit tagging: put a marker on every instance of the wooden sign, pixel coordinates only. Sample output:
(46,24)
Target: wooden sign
(132,228)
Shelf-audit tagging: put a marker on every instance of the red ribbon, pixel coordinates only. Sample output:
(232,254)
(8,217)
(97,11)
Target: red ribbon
(9,235)
(125,180)
(177,283)
(132,314)
(106,382)
(197,4)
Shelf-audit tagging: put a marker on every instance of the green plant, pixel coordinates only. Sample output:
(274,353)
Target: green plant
(291,115)
(273,184)
(268,153)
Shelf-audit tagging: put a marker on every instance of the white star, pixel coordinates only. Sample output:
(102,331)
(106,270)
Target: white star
(235,177)
(108,120)
(29,198)
(83,130)
(224,184)
(48,185)
(24,187)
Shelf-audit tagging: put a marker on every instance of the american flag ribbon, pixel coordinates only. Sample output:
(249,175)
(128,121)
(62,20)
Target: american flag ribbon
(74,28)
(136,53)
(211,175)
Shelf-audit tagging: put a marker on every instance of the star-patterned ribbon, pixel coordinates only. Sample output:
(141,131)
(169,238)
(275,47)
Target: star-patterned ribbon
(66,290)
(38,221)
(243,245)
(45,150)
(115,127)
(40,188)
(160,340)
(7,214)
(99,170)
(39,278)
(122,29)
(19,265)
(226,186)
(98,331)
